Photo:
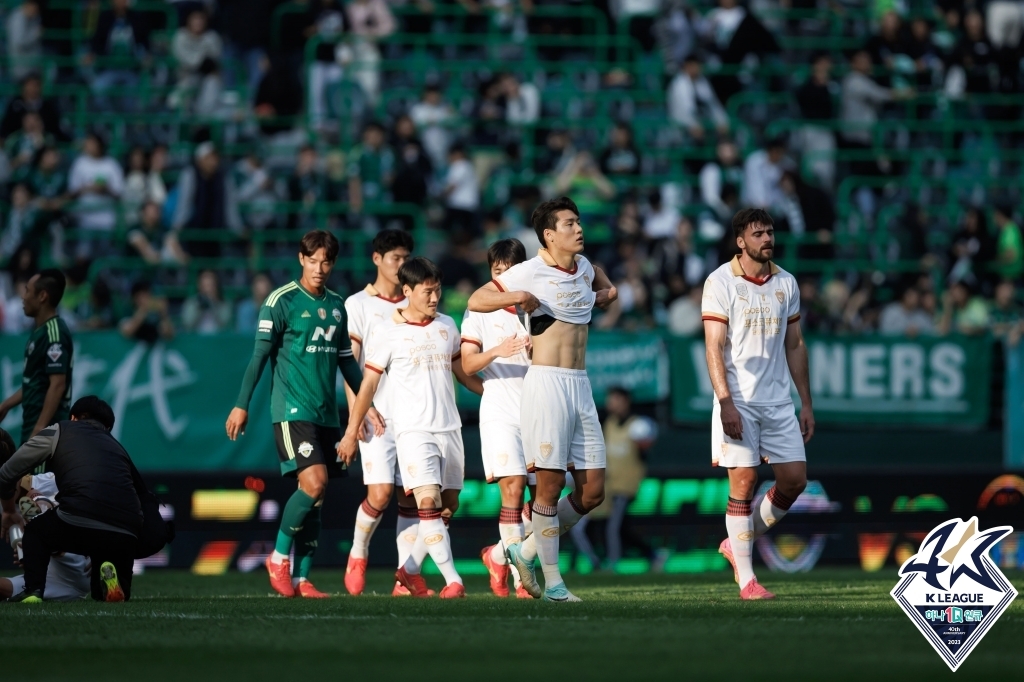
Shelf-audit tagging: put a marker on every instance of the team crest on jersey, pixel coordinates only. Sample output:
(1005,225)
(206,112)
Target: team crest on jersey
(741,290)
(54,352)
(322,313)
(305,448)
(443,333)
(337,315)
(545,450)
(952,590)
(779,295)
(586,279)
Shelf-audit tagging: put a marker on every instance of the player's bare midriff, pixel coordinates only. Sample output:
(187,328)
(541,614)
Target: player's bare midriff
(562,345)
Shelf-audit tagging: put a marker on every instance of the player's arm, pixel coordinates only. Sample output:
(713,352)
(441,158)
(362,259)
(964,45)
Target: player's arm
(12,401)
(353,377)
(470,381)
(34,452)
(490,297)
(715,334)
(51,401)
(606,291)
(357,412)
(796,358)
(271,326)
(475,359)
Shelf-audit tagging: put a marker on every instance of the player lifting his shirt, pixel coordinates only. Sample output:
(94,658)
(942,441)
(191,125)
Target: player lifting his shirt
(559,422)
(420,351)
(751,312)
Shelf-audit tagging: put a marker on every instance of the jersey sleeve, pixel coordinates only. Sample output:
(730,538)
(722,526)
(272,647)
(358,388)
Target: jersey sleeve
(455,342)
(356,323)
(272,322)
(378,353)
(58,351)
(715,304)
(345,341)
(793,314)
(472,331)
(516,278)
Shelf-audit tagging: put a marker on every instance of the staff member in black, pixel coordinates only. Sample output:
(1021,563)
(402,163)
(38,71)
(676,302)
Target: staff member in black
(99,513)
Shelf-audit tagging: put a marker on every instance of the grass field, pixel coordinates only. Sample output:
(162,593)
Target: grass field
(825,625)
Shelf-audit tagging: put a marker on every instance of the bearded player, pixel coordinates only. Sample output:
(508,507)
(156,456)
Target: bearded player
(495,344)
(559,422)
(751,312)
(419,351)
(367,311)
(302,332)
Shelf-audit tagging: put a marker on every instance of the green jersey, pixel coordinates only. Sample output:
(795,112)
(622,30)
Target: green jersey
(49,351)
(305,337)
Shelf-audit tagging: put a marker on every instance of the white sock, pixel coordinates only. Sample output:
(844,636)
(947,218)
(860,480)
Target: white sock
(276,557)
(510,529)
(769,510)
(527,515)
(435,537)
(367,520)
(406,530)
(741,537)
(567,516)
(545,539)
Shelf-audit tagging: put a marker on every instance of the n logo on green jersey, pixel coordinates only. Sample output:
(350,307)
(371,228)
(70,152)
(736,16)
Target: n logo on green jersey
(325,335)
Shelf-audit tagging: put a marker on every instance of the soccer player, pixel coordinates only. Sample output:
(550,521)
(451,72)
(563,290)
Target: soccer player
(751,312)
(559,420)
(302,332)
(419,351)
(367,311)
(45,393)
(495,344)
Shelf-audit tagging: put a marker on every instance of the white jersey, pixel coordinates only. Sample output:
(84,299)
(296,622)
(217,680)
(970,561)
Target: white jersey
(503,378)
(418,360)
(366,310)
(757,314)
(566,295)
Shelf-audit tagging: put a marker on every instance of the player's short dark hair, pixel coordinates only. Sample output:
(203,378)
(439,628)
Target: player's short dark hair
(51,280)
(95,408)
(315,240)
(507,252)
(750,216)
(546,215)
(417,271)
(389,240)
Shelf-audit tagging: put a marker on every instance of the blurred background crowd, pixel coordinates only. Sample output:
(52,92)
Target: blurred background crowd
(168,155)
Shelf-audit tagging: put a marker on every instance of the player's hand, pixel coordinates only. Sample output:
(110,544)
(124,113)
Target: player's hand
(527,302)
(8,521)
(347,449)
(374,423)
(236,423)
(605,297)
(807,422)
(732,423)
(510,346)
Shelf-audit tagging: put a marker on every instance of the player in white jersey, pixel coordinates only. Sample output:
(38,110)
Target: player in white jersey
(420,351)
(751,312)
(367,312)
(558,418)
(495,344)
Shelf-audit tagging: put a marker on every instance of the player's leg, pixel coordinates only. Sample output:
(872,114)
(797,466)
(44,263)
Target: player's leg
(782,445)
(739,521)
(453,474)
(378,461)
(46,535)
(324,459)
(510,531)
(11,586)
(406,531)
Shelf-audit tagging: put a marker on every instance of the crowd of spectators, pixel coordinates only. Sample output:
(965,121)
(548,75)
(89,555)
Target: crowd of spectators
(294,120)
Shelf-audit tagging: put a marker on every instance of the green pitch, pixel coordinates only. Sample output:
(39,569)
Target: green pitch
(825,625)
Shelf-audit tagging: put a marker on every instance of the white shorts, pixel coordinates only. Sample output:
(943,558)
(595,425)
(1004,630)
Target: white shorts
(67,579)
(431,459)
(559,421)
(380,458)
(771,434)
(501,446)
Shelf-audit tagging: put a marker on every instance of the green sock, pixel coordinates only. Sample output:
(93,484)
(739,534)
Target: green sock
(294,515)
(305,542)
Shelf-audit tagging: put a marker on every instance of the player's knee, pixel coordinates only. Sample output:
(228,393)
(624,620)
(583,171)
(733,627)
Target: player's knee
(428,496)
(590,499)
(379,496)
(315,488)
(792,488)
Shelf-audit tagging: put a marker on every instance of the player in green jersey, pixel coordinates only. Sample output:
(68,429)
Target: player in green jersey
(303,332)
(45,393)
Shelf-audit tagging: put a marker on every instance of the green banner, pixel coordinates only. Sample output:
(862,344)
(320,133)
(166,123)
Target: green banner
(866,380)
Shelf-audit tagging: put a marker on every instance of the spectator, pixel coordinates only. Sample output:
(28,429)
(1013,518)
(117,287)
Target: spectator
(692,102)
(905,317)
(278,98)
(14,320)
(325,22)
(721,177)
(972,251)
(522,101)
(678,257)
(593,193)
(557,155)
(371,168)
(31,99)
(962,312)
(49,183)
(19,228)
(684,318)
(413,172)
(256,190)
(675,34)
(96,183)
(816,138)
(245,26)
(370,21)
(762,172)
(150,321)
(735,34)
(489,123)
(973,61)
(620,159)
(886,45)
(206,201)
(206,312)
(862,100)
(433,117)
(140,186)
(662,220)
(248,311)
(152,241)
(461,193)
(1010,246)
(198,51)
(22,147)
(307,186)
(810,305)
(1005,315)
(118,46)
(24,40)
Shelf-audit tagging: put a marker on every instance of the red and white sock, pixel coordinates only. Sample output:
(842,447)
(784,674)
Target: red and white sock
(568,513)
(367,520)
(510,529)
(434,532)
(770,510)
(406,530)
(739,521)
